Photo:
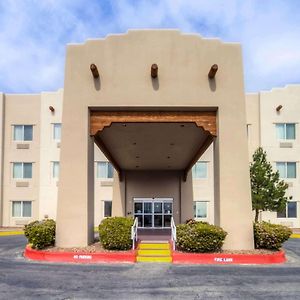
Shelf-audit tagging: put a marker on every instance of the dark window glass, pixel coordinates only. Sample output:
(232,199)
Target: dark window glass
(27,132)
(107,208)
(292,209)
(110,171)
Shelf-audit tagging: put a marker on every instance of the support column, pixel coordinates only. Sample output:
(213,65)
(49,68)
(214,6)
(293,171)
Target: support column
(75,207)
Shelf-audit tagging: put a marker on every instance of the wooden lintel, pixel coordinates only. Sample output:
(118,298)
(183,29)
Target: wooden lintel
(209,139)
(98,141)
(101,119)
(212,72)
(94,70)
(154,70)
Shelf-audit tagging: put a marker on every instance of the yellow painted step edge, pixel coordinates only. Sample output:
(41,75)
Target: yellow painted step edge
(154,246)
(7,233)
(295,236)
(154,252)
(154,259)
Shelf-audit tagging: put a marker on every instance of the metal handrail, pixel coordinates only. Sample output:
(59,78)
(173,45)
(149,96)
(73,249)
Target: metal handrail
(134,232)
(173,233)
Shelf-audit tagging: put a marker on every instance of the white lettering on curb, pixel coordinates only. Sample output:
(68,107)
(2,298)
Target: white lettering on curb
(222,259)
(82,256)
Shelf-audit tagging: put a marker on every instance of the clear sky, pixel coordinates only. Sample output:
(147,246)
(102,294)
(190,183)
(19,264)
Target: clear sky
(34,33)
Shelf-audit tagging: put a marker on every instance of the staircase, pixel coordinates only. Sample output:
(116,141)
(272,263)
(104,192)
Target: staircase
(154,251)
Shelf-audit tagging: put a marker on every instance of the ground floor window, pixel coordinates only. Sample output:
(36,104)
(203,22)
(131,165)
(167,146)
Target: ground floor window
(22,209)
(290,210)
(200,209)
(107,208)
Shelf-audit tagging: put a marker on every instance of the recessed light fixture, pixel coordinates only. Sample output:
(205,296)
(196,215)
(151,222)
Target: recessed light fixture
(168,157)
(137,157)
(124,125)
(182,125)
(137,166)
(172,144)
(134,143)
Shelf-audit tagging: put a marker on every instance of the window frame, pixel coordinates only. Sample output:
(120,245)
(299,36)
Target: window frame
(286,169)
(195,209)
(107,163)
(53,132)
(22,170)
(206,170)
(23,133)
(286,211)
(285,131)
(22,209)
(103,207)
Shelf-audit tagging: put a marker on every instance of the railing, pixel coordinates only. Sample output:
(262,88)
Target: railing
(173,233)
(134,234)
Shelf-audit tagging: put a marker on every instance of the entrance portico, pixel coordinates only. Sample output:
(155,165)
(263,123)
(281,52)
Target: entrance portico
(153,129)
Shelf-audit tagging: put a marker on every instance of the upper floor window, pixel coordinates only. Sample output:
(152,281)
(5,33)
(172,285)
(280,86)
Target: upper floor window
(55,169)
(286,169)
(22,209)
(22,132)
(57,131)
(104,169)
(200,170)
(200,209)
(290,210)
(22,170)
(286,131)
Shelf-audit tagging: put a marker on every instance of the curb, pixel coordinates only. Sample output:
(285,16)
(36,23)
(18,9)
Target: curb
(221,259)
(80,257)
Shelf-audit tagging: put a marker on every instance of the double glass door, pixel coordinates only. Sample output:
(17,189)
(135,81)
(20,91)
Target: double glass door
(153,213)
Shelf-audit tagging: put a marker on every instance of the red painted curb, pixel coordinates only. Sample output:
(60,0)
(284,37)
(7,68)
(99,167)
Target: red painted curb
(79,257)
(215,258)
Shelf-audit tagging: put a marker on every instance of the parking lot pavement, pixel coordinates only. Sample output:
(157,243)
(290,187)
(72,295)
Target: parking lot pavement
(23,279)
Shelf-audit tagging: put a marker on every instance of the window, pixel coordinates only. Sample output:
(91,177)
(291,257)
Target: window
(286,169)
(107,208)
(200,170)
(104,169)
(22,170)
(290,210)
(200,209)
(57,131)
(55,169)
(21,209)
(22,132)
(286,131)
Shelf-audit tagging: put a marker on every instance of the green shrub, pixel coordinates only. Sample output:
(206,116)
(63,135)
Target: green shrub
(270,236)
(200,237)
(40,234)
(115,233)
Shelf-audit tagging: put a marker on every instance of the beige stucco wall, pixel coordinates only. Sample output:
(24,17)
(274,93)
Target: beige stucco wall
(289,98)
(22,110)
(49,152)
(124,63)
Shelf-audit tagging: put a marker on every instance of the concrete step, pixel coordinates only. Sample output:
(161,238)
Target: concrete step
(154,252)
(162,259)
(154,246)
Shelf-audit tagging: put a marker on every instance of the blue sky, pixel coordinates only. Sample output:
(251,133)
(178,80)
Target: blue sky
(34,33)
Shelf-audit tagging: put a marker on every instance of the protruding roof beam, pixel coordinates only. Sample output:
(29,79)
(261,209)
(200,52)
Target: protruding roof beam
(212,72)
(94,71)
(154,70)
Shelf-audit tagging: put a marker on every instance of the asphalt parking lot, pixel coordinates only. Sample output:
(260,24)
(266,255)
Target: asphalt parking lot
(22,279)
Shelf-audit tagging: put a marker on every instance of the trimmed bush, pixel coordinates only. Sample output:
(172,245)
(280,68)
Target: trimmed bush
(40,234)
(115,233)
(200,237)
(270,236)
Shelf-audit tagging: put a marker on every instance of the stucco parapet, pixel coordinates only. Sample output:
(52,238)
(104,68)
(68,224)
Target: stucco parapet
(287,88)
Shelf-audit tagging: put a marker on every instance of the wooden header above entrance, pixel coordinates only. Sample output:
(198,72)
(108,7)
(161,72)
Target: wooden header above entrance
(101,119)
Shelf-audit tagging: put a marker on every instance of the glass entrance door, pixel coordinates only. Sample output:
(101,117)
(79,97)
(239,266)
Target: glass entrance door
(153,213)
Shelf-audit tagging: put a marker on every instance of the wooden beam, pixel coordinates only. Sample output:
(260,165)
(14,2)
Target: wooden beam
(278,108)
(101,119)
(209,139)
(98,141)
(212,72)
(94,70)
(154,70)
